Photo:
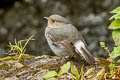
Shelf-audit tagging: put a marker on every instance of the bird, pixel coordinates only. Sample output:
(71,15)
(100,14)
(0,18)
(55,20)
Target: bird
(65,40)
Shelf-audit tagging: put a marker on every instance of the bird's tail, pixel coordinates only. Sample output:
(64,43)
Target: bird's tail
(82,49)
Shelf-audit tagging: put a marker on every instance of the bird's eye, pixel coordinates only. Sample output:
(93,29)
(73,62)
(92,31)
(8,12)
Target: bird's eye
(53,20)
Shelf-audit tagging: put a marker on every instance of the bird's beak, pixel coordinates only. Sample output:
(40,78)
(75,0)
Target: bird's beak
(46,18)
(50,21)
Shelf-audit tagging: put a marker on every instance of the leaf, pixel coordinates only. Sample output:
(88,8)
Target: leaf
(116,16)
(99,74)
(116,36)
(59,74)
(116,10)
(50,74)
(77,75)
(118,61)
(90,72)
(82,72)
(111,67)
(65,68)
(110,75)
(74,71)
(115,24)
(116,52)
(28,41)
(102,44)
(52,79)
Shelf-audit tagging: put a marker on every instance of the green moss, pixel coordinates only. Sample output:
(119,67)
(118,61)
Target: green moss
(4,67)
(16,57)
(49,66)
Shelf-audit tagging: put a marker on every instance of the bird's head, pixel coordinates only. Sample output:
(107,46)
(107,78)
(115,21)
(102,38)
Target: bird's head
(53,20)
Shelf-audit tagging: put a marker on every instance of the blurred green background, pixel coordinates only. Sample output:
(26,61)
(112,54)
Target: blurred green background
(22,18)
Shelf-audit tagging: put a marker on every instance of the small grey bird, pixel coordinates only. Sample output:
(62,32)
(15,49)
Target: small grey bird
(64,39)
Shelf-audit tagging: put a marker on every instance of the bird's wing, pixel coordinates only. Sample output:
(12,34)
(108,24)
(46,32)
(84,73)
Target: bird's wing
(68,46)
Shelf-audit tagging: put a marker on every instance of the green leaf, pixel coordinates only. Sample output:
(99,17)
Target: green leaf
(110,75)
(111,67)
(77,75)
(52,79)
(116,36)
(50,74)
(116,10)
(116,16)
(82,72)
(27,41)
(59,74)
(101,76)
(115,24)
(118,61)
(65,68)
(116,52)
(102,44)
(74,71)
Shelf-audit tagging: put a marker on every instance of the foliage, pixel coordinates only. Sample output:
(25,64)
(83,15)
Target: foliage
(116,52)
(71,70)
(64,69)
(74,71)
(112,67)
(113,70)
(115,25)
(116,36)
(18,47)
